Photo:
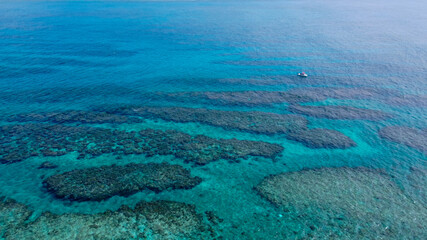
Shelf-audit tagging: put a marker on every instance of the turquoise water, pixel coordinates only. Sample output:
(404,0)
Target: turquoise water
(75,55)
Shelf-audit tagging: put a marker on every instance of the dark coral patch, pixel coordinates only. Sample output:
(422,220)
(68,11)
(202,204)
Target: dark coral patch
(20,142)
(12,214)
(321,94)
(147,220)
(201,149)
(240,98)
(256,122)
(339,112)
(345,203)
(412,137)
(295,127)
(407,100)
(295,95)
(67,94)
(321,138)
(47,165)
(73,117)
(417,179)
(99,183)
(388,96)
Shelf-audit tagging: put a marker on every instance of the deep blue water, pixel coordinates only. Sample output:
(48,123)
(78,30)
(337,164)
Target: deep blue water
(79,55)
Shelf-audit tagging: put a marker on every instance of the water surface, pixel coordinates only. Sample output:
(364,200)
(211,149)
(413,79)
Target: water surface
(57,56)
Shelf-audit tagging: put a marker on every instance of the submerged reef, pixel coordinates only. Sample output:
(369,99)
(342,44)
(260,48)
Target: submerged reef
(20,142)
(321,138)
(388,96)
(67,94)
(339,112)
(256,122)
(47,165)
(408,100)
(295,95)
(323,93)
(99,183)
(417,179)
(294,127)
(292,96)
(411,137)
(201,149)
(345,203)
(147,220)
(73,117)
(12,214)
(240,98)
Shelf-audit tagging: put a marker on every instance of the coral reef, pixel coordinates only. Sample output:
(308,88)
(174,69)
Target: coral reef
(321,138)
(417,179)
(147,220)
(73,117)
(201,149)
(323,93)
(99,183)
(295,95)
(412,137)
(295,127)
(256,122)
(67,94)
(346,203)
(12,214)
(407,100)
(47,165)
(20,142)
(240,98)
(339,112)
(388,96)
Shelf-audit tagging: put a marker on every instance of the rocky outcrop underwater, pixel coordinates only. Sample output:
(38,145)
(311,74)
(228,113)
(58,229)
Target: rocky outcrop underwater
(292,96)
(147,220)
(103,182)
(293,127)
(411,137)
(37,139)
(345,203)
(339,112)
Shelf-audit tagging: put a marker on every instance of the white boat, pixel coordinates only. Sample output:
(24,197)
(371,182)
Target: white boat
(302,74)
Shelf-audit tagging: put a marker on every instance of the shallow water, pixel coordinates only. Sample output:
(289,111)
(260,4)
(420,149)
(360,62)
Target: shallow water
(57,56)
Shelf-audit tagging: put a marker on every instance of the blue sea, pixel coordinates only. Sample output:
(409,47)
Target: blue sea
(212,68)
